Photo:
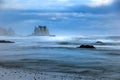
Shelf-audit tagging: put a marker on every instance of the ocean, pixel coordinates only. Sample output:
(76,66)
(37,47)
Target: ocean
(60,54)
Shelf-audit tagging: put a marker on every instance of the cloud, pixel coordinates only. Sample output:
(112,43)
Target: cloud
(35,4)
(61,14)
(117,5)
(67,15)
(78,6)
(98,3)
(53,4)
(31,21)
(11,16)
(1,2)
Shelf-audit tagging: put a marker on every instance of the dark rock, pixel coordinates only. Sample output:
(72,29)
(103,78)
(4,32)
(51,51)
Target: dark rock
(63,43)
(41,31)
(86,46)
(4,41)
(99,42)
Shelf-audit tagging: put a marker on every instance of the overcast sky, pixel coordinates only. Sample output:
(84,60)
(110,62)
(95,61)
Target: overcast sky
(63,17)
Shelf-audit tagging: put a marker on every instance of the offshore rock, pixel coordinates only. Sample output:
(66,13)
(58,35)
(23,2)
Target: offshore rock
(41,31)
(99,42)
(4,41)
(7,32)
(86,46)
(11,32)
(2,31)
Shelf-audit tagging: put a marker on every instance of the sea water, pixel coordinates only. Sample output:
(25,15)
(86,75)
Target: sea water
(60,54)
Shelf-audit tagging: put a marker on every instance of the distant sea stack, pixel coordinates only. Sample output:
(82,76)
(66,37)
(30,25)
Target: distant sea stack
(7,32)
(41,31)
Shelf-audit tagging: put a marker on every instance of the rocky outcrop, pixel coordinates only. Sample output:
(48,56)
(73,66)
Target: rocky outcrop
(100,43)
(2,31)
(4,41)
(41,31)
(86,46)
(7,32)
(10,32)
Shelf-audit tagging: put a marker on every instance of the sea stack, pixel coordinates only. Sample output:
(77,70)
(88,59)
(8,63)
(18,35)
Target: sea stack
(10,32)
(7,32)
(41,31)
(2,31)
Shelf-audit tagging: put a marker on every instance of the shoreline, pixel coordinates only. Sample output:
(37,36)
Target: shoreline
(7,73)
(27,74)
(33,58)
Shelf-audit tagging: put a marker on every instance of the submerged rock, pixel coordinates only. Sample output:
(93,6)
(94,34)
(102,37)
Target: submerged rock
(86,46)
(4,41)
(99,42)
(63,43)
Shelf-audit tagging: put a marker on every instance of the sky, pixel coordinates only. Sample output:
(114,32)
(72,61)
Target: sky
(62,17)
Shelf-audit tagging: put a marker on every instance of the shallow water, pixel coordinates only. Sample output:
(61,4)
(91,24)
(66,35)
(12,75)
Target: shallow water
(61,55)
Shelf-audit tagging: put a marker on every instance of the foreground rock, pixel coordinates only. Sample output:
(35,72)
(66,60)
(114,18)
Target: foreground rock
(4,41)
(87,46)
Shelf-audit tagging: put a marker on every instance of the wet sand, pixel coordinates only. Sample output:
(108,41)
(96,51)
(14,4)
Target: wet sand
(27,74)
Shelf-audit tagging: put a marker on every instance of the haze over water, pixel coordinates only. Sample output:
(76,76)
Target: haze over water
(75,23)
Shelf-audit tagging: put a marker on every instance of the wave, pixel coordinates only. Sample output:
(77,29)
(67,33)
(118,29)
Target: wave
(36,42)
(65,38)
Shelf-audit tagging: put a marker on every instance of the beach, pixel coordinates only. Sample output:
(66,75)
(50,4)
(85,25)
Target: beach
(25,74)
(58,58)
(22,74)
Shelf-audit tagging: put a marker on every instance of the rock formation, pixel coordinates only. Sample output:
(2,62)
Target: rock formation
(7,32)
(4,41)
(41,31)
(2,31)
(86,46)
(10,32)
(99,43)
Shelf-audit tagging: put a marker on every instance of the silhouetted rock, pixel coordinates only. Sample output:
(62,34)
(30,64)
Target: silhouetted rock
(4,41)
(41,31)
(86,46)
